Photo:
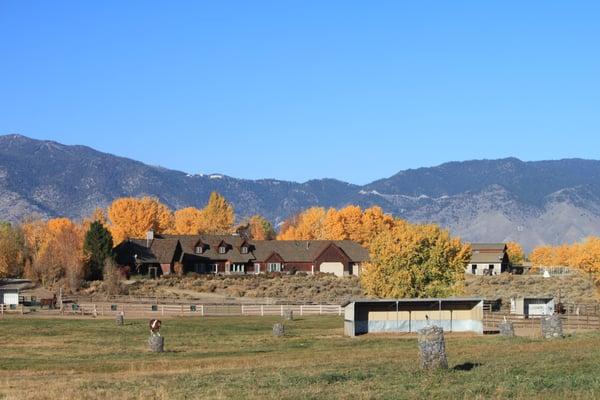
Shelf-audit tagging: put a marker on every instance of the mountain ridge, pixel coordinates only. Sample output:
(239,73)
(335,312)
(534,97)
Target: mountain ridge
(534,202)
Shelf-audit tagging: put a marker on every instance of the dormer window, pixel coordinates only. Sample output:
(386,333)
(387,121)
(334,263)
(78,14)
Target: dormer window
(222,249)
(244,249)
(199,249)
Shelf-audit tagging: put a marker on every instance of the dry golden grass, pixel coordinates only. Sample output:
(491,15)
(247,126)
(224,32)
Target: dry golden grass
(236,357)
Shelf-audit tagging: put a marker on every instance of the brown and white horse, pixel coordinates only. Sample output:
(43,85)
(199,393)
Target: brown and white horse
(155,327)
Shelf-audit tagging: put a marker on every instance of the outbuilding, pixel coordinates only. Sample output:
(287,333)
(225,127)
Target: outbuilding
(10,290)
(532,306)
(410,315)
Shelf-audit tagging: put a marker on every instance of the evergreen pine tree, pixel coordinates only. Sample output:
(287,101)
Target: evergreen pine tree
(97,246)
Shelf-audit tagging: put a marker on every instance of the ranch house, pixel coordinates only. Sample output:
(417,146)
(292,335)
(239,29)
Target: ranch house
(233,254)
(488,259)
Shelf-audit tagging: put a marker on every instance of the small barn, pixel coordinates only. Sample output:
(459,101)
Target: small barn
(410,315)
(532,306)
(10,290)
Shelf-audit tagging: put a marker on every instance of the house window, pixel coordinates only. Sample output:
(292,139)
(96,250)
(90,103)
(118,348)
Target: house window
(240,268)
(222,249)
(474,268)
(274,267)
(244,250)
(198,249)
(257,268)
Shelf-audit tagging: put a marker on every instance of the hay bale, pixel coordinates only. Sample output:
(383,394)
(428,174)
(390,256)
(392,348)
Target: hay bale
(156,344)
(120,319)
(552,327)
(278,330)
(507,329)
(288,315)
(432,348)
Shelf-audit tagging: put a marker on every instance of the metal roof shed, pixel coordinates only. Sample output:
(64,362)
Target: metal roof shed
(410,315)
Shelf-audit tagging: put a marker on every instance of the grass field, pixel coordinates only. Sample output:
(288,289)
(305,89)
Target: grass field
(238,358)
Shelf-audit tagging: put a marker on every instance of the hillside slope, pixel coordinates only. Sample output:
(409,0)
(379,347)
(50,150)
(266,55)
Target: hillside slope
(486,200)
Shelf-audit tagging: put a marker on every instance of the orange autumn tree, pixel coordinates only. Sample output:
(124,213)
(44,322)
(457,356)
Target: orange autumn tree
(348,223)
(188,221)
(55,250)
(308,225)
(133,217)
(11,250)
(260,228)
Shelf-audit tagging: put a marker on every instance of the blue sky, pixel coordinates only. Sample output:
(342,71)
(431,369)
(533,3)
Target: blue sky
(304,89)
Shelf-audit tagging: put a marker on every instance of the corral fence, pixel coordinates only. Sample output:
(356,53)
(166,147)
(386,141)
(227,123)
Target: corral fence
(174,300)
(12,309)
(554,270)
(197,310)
(533,324)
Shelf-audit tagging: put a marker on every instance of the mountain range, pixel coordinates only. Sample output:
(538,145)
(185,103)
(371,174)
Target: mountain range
(535,202)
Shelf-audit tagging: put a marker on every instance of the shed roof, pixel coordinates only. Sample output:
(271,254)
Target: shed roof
(417,300)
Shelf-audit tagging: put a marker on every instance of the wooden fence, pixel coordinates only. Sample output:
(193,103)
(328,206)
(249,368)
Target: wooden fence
(197,310)
(11,309)
(571,323)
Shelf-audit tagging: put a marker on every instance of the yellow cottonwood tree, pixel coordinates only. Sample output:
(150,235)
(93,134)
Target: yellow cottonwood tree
(188,221)
(516,255)
(217,216)
(415,261)
(133,217)
(308,225)
(542,256)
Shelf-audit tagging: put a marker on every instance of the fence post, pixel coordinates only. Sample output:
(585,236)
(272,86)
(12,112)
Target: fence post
(282,310)
(182,310)
(320,309)
(339,310)
(262,310)
(301,309)
(243,310)
(202,310)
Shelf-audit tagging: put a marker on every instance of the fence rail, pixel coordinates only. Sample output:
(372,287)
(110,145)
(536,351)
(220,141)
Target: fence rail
(571,323)
(11,309)
(198,310)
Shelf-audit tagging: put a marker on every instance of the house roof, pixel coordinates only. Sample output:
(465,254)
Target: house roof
(483,258)
(487,252)
(15,284)
(488,246)
(163,249)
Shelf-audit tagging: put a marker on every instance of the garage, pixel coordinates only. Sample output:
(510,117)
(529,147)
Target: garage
(336,268)
(11,298)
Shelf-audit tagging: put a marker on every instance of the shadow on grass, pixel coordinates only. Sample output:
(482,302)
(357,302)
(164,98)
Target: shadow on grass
(465,366)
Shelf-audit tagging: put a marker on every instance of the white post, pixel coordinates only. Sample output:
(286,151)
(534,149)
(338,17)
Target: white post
(301,310)
(320,309)
(340,311)
(242,309)
(282,310)
(162,310)
(202,310)
(262,310)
